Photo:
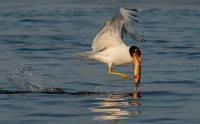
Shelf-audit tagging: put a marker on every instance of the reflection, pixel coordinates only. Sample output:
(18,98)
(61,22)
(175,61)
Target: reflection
(117,106)
(136,94)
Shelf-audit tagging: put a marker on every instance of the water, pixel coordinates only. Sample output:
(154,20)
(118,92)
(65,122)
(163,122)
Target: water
(42,82)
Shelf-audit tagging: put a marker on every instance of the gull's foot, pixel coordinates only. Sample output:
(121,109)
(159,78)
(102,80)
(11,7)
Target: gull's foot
(118,74)
(123,75)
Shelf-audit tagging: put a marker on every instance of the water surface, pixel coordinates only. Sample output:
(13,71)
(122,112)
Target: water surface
(42,82)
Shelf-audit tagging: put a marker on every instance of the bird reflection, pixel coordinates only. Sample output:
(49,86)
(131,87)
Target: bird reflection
(116,107)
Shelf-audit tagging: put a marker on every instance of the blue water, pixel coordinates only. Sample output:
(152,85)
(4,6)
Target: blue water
(42,82)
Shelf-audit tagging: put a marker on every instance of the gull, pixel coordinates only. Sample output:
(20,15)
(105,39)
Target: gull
(108,46)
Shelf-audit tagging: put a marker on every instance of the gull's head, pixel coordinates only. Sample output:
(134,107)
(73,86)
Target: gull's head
(135,52)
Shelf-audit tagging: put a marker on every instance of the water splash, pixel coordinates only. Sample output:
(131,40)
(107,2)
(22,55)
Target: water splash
(27,77)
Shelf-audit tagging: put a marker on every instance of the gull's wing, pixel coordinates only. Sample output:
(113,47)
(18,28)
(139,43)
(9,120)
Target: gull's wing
(112,32)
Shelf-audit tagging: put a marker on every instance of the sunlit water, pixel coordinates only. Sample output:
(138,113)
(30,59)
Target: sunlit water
(42,82)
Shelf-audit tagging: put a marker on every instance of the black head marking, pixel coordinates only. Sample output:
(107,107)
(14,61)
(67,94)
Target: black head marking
(134,49)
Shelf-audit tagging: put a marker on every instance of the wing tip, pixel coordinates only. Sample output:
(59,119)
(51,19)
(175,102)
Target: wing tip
(131,16)
(123,8)
(133,10)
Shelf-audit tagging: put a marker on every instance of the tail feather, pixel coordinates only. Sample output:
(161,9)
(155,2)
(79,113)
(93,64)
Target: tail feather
(86,55)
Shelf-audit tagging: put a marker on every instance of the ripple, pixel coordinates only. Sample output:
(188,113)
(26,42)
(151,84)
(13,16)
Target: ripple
(33,20)
(168,93)
(160,120)
(56,115)
(54,91)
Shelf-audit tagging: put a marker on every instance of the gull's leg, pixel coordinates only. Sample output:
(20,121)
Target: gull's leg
(116,73)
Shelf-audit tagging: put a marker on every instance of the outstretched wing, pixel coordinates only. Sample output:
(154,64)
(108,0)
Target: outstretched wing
(113,30)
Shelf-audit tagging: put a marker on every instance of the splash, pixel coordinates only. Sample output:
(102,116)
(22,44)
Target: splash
(27,77)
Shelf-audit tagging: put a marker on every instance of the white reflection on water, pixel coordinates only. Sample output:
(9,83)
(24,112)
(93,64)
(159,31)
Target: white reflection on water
(116,107)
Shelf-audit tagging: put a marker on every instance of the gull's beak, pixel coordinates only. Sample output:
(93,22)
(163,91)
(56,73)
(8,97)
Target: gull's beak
(139,59)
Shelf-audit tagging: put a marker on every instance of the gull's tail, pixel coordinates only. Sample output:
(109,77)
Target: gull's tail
(86,55)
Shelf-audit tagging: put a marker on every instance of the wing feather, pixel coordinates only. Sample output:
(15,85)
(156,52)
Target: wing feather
(111,34)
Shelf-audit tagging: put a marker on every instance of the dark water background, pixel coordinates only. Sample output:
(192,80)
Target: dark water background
(37,43)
